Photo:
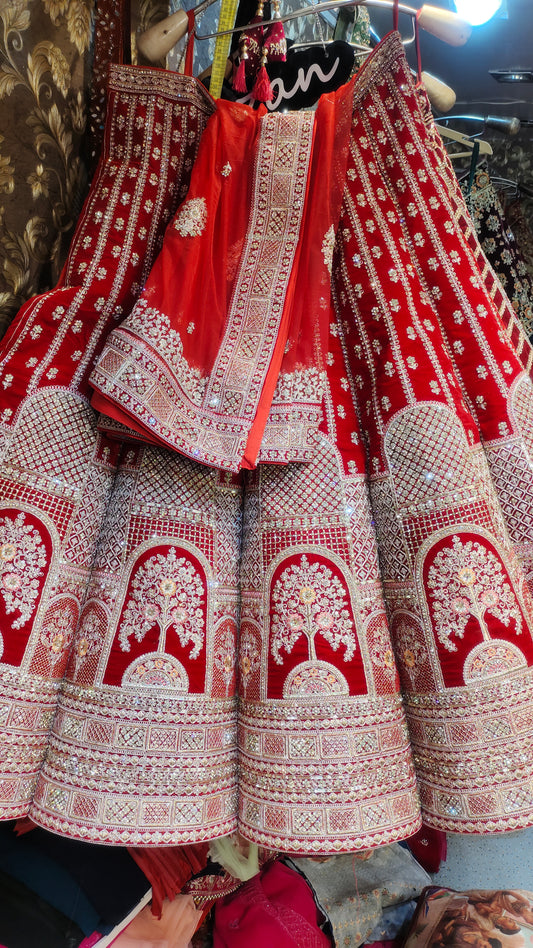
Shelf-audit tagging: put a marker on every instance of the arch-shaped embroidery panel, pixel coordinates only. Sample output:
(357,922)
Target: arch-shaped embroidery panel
(166,614)
(471,593)
(29,553)
(314,632)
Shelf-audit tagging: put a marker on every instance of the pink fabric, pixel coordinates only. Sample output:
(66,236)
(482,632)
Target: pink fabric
(178,923)
(276,907)
(87,942)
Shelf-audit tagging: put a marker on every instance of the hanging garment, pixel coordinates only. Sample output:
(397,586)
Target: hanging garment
(323,760)
(445,407)
(56,471)
(253,240)
(500,248)
(144,744)
(517,217)
(514,329)
(440,396)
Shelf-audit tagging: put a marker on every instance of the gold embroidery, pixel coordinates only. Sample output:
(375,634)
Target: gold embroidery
(308,599)
(467,580)
(328,245)
(191,218)
(167,592)
(22,562)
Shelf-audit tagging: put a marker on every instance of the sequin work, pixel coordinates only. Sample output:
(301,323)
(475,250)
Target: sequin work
(56,471)
(445,409)
(319,650)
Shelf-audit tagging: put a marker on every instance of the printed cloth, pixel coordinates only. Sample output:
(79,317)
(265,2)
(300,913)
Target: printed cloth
(483,918)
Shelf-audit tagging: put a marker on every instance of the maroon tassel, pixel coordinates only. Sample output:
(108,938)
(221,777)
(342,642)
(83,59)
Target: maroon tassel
(239,79)
(262,90)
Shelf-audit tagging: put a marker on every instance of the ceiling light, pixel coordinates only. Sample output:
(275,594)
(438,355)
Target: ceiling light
(477,12)
(518,74)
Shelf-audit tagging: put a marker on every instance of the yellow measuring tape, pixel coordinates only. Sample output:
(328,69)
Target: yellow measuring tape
(228,14)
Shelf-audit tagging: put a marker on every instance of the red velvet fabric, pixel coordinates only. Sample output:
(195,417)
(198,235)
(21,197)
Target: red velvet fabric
(275,908)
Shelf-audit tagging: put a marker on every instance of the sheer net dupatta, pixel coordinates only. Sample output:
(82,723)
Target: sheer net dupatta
(222,358)
(56,472)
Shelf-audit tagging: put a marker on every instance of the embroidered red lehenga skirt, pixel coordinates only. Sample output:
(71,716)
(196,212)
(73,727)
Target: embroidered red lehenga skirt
(326,493)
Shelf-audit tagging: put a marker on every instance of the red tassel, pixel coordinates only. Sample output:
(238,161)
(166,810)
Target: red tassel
(262,90)
(239,79)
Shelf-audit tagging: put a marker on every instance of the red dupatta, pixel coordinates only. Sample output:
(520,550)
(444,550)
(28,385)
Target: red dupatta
(227,339)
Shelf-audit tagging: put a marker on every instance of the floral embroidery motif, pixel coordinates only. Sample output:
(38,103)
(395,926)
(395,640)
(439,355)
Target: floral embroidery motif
(56,635)
(224,657)
(302,385)
(154,326)
(192,218)
(489,659)
(309,599)
(22,561)
(467,580)
(328,245)
(409,649)
(248,658)
(89,636)
(226,170)
(380,648)
(166,592)
(314,678)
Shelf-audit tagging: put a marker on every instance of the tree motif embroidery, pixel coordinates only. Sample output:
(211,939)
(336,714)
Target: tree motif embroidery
(224,657)
(248,658)
(167,592)
(89,636)
(56,636)
(22,563)
(467,580)
(309,599)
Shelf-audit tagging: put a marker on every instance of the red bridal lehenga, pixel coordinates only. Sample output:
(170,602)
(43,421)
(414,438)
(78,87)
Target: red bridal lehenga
(56,470)
(327,484)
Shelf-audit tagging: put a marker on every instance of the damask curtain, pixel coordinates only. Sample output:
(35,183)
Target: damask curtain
(44,74)
(46,60)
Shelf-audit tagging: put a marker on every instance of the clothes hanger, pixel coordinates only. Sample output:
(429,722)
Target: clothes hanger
(441,96)
(484,148)
(508,125)
(360,48)
(506,185)
(159,39)
(444,24)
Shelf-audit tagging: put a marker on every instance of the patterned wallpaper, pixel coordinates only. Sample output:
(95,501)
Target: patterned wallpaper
(46,49)
(44,61)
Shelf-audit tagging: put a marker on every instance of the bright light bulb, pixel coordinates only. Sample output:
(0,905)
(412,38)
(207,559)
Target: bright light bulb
(477,12)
